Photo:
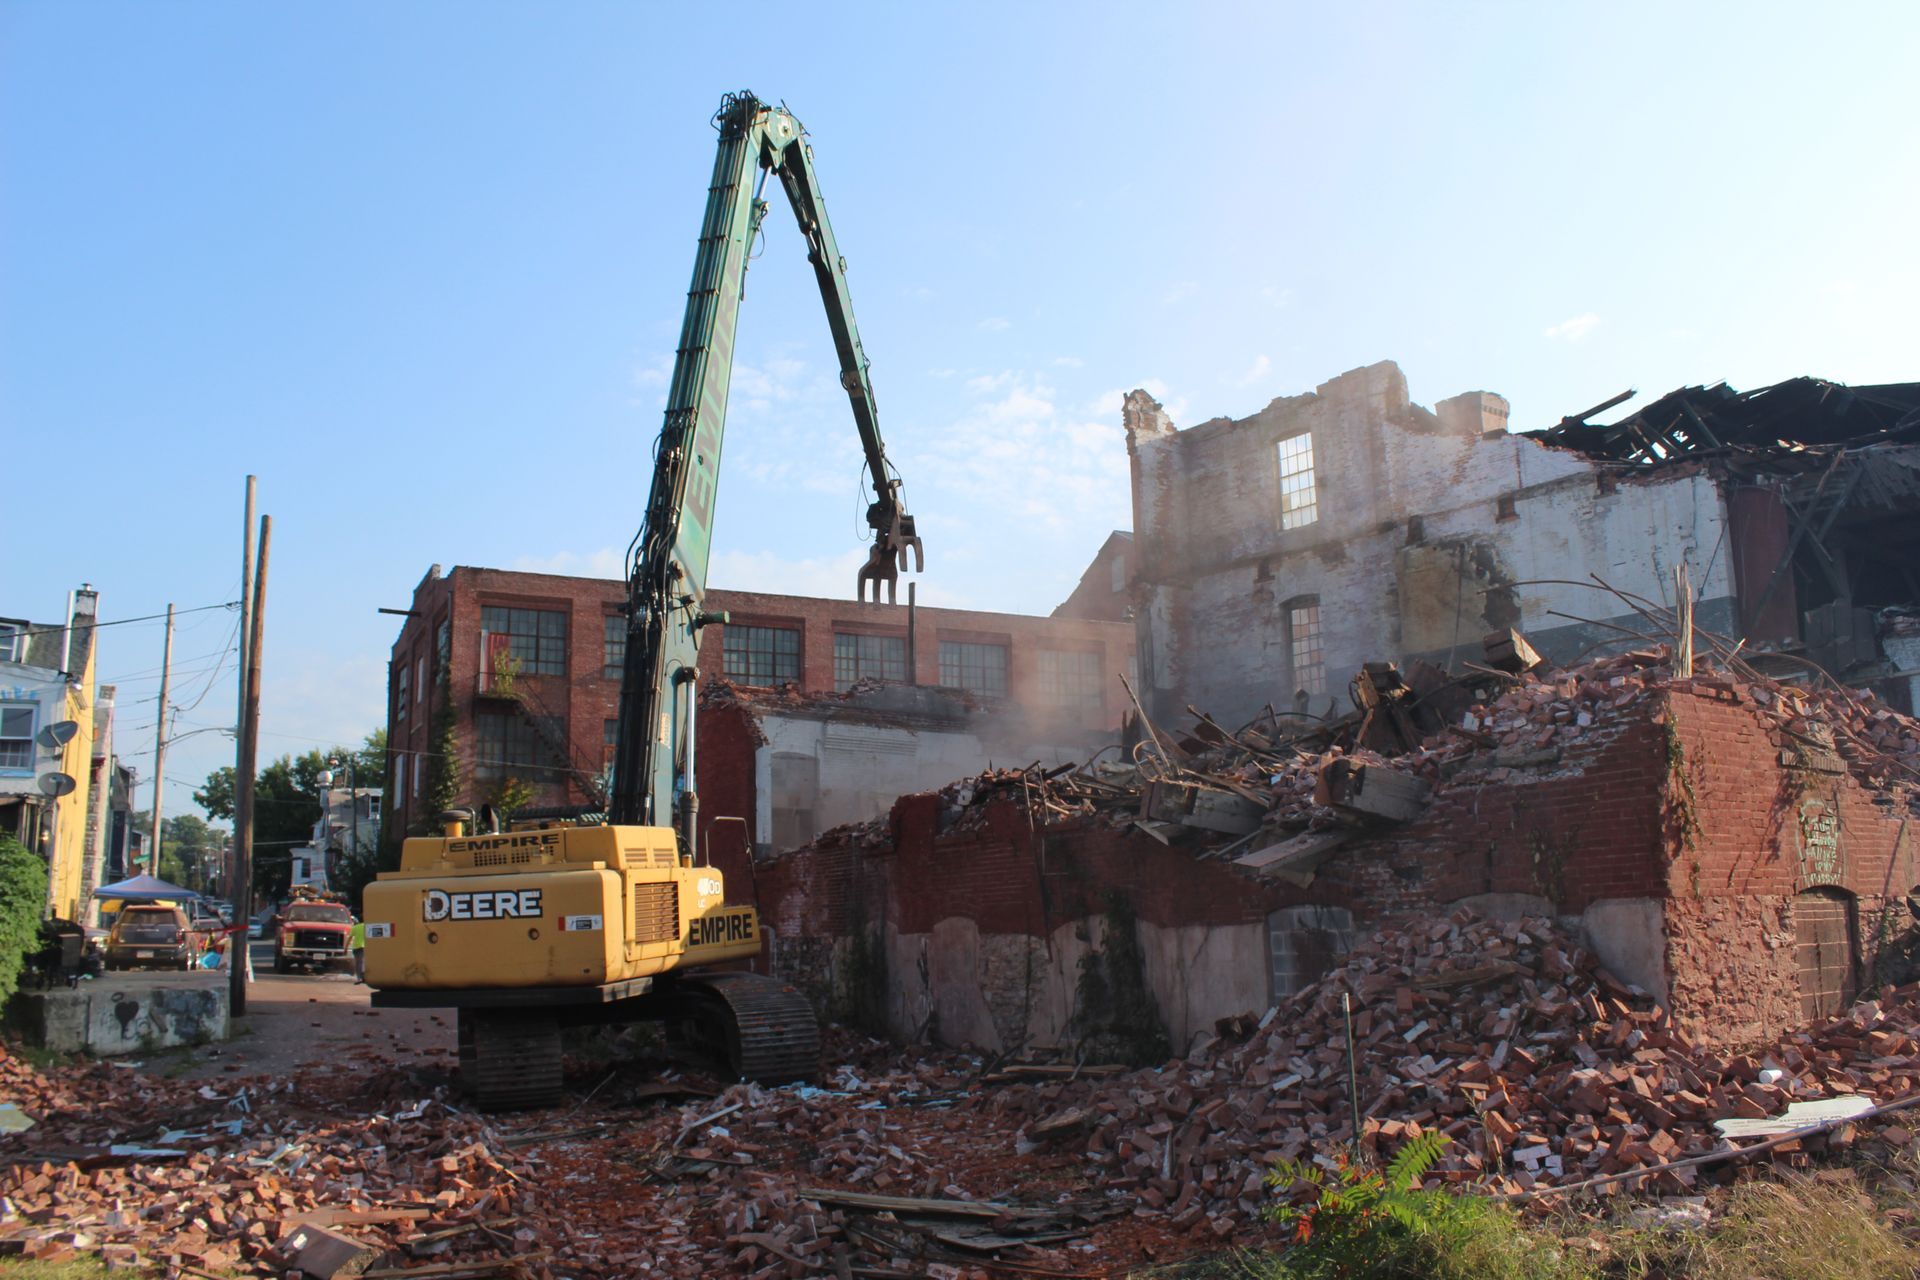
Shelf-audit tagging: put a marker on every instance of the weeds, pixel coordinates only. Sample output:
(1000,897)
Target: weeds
(1368,1224)
(1803,1230)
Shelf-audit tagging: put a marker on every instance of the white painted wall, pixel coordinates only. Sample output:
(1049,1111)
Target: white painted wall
(865,767)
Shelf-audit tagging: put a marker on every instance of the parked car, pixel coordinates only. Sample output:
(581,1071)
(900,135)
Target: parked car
(313,934)
(153,936)
(224,907)
(265,923)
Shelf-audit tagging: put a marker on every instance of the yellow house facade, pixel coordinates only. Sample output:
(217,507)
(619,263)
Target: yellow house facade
(46,744)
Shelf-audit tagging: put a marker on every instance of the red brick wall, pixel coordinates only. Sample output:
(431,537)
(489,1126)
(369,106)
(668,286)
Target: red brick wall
(585,698)
(1608,819)
(1737,865)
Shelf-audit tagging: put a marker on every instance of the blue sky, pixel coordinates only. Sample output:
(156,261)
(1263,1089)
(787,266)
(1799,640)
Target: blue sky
(421,267)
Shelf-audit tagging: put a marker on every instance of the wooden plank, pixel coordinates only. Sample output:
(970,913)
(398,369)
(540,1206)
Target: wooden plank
(906,1204)
(1295,857)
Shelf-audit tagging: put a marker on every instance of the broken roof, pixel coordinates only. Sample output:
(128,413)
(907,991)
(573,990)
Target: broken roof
(1797,413)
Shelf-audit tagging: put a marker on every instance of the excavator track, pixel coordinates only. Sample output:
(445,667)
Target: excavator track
(510,1060)
(758,1027)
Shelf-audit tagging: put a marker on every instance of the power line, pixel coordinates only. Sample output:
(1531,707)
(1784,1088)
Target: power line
(121,622)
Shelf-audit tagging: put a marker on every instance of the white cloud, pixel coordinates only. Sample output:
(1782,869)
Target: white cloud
(1180,291)
(1068,362)
(1575,328)
(1256,371)
(1023,460)
(607,562)
(656,372)
(985,382)
(994,324)
(833,577)
(1277,297)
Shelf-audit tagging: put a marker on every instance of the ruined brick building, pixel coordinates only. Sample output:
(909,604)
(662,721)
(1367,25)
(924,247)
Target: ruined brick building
(1275,554)
(1737,845)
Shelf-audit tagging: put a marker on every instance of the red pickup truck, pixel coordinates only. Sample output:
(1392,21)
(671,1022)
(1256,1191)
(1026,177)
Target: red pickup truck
(313,935)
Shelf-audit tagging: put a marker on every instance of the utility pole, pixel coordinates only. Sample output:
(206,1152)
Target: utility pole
(240,708)
(160,746)
(249,759)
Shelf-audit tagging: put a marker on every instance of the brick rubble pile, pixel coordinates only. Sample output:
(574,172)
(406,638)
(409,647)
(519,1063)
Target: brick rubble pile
(1539,1067)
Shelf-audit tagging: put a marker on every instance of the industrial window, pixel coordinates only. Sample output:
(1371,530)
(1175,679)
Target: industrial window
(400,699)
(1299,506)
(537,637)
(13,641)
(1304,648)
(613,649)
(859,657)
(16,735)
(1118,567)
(509,744)
(609,738)
(762,655)
(981,668)
(1070,678)
(420,680)
(442,648)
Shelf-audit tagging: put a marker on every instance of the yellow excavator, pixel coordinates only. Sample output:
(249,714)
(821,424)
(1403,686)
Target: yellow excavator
(553,922)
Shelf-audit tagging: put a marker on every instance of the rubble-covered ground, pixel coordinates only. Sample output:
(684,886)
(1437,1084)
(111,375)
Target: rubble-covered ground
(1540,1068)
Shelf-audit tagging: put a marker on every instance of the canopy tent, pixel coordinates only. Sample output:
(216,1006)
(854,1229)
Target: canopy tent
(145,889)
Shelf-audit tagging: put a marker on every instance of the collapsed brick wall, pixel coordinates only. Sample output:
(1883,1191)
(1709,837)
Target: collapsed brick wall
(1675,833)
(1761,816)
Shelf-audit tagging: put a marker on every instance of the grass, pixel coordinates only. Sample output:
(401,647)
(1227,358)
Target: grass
(1803,1229)
(1790,1227)
(86,1267)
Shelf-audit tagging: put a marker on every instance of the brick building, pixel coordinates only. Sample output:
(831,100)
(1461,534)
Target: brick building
(1274,554)
(1705,850)
(523,671)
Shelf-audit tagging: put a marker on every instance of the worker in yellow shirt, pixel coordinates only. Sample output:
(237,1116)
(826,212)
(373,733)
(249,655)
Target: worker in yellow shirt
(357,942)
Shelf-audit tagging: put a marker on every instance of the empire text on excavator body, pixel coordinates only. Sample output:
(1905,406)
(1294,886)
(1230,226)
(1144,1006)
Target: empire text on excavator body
(569,920)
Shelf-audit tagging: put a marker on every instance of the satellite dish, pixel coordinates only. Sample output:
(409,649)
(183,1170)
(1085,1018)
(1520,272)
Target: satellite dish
(57,784)
(59,733)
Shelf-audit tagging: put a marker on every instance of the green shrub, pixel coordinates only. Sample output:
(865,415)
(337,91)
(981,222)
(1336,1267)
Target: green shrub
(1362,1223)
(23,897)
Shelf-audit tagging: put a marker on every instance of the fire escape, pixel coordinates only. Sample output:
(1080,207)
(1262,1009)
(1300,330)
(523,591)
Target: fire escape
(501,683)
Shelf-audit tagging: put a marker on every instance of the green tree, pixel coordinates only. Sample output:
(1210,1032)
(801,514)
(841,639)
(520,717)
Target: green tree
(286,802)
(23,897)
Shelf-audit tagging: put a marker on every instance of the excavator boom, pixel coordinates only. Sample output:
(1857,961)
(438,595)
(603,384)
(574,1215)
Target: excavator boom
(667,570)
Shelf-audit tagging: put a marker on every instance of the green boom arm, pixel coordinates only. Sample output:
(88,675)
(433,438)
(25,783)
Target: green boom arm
(667,572)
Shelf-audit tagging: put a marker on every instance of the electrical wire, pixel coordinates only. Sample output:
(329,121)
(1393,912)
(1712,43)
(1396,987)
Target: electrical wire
(122,622)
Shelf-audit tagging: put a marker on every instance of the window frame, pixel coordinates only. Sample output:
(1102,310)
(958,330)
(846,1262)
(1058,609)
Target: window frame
(506,762)
(859,641)
(1315,640)
(1295,479)
(955,668)
(540,652)
(742,659)
(1051,679)
(403,686)
(32,711)
(613,646)
(13,640)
